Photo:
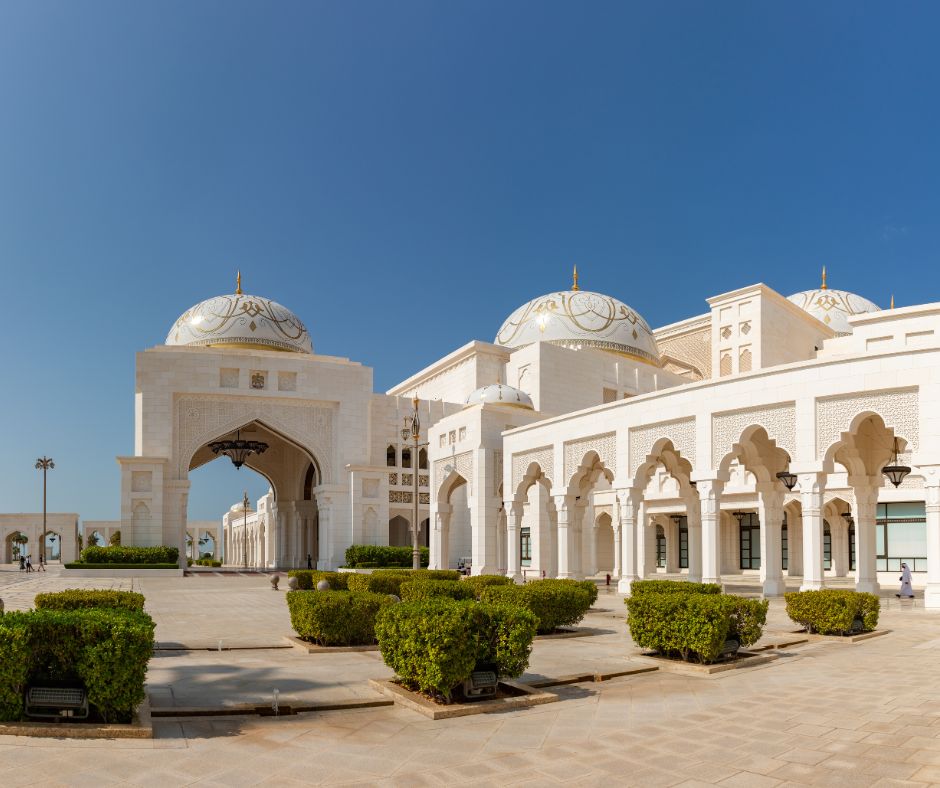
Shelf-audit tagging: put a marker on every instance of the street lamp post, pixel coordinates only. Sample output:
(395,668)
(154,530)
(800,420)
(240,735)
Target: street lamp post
(246,503)
(412,429)
(44,464)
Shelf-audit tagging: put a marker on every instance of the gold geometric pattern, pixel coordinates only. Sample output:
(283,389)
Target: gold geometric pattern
(580,318)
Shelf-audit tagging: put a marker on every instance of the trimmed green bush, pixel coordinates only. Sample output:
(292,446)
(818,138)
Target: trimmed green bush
(434,645)
(419,588)
(384,583)
(641,587)
(746,618)
(207,562)
(118,554)
(307,579)
(694,626)
(78,599)
(588,585)
(368,555)
(81,565)
(479,582)
(106,650)
(555,603)
(423,574)
(335,618)
(832,611)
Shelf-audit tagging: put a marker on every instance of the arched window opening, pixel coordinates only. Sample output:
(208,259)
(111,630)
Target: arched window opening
(310,482)
(390,459)
(423,459)
(406,458)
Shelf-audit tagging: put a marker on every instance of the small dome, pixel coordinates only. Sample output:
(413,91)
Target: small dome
(833,307)
(579,318)
(241,320)
(498,394)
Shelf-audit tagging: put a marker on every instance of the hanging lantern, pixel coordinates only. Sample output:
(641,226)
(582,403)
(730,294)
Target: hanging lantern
(238,450)
(789,479)
(895,471)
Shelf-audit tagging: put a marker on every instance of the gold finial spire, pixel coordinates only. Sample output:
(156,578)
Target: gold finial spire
(823,285)
(892,301)
(574,285)
(238,283)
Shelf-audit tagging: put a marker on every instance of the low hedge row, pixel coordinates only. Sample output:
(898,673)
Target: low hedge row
(208,562)
(641,587)
(336,618)
(117,554)
(555,603)
(384,583)
(370,555)
(694,626)
(307,579)
(79,599)
(833,611)
(420,588)
(425,574)
(83,565)
(434,645)
(104,650)
(479,582)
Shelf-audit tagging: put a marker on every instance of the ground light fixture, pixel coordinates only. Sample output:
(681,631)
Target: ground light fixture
(788,479)
(895,471)
(238,450)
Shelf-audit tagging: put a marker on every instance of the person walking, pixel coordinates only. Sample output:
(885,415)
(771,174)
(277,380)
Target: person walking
(42,563)
(29,565)
(907,591)
(309,561)
(22,562)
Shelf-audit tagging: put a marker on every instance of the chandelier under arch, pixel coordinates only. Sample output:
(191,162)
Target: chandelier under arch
(238,450)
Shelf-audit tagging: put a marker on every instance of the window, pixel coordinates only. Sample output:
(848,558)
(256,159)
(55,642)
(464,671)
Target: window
(827,546)
(423,459)
(784,545)
(683,543)
(901,536)
(744,360)
(660,547)
(406,458)
(610,395)
(749,530)
(525,546)
(851,547)
(390,459)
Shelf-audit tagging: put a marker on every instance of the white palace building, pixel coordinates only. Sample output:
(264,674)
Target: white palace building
(752,439)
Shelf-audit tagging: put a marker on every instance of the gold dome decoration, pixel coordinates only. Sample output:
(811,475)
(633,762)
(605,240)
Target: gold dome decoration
(833,307)
(243,321)
(579,319)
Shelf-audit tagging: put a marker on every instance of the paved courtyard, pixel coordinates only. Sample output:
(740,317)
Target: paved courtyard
(822,714)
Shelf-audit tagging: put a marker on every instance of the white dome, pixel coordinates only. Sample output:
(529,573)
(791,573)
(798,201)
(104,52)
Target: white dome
(833,307)
(579,318)
(498,394)
(241,320)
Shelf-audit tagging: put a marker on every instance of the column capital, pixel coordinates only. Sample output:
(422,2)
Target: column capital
(563,502)
(931,474)
(811,482)
(708,488)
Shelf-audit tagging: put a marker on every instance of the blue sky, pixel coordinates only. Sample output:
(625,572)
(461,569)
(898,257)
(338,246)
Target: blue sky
(358,159)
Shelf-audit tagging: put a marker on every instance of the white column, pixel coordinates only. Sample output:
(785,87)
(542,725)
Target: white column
(693,516)
(513,529)
(645,538)
(812,489)
(562,509)
(864,512)
(629,504)
(709,493)
(440,536)
(932,488)
(617,557)
(770,514)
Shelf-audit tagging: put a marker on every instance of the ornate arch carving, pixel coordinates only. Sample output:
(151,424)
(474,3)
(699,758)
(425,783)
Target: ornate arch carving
(642,439)
(779,421)
(898,409)
(200,418)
